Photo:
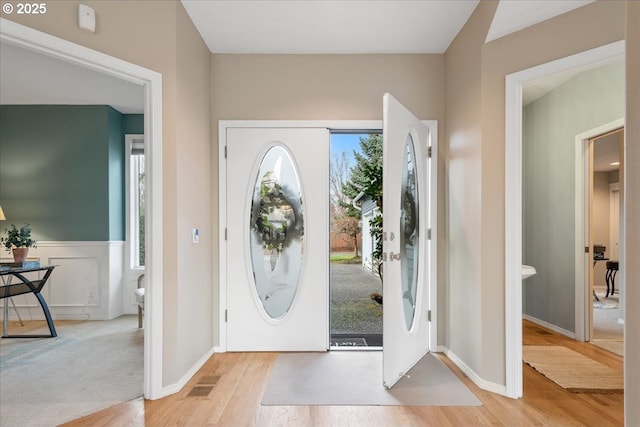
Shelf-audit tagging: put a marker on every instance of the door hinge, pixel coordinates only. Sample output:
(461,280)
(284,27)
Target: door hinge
(586,249)
(429,234)
(225,316)
(225,233)
(429,152)
(429,316)
(225,151)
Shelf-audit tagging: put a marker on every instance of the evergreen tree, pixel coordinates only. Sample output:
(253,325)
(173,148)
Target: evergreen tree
(366,174)
(366,178)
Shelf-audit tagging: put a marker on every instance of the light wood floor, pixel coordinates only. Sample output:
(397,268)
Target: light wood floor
(235,400)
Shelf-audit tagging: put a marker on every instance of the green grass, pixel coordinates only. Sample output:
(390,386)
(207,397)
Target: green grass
(345,259)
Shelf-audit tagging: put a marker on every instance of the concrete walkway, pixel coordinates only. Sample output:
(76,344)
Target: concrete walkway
(352,309)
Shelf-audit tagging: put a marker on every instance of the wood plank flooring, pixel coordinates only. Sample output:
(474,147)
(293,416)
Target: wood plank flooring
(235,400)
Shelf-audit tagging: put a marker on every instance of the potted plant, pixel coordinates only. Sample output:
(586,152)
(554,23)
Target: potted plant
(18,241)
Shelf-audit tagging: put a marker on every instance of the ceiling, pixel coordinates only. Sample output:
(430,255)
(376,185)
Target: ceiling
(512,16)
(27,77)
(264,26)
(323,27)
(354,26)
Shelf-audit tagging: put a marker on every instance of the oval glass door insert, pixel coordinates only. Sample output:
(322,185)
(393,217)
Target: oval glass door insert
(409,227)
(277,232)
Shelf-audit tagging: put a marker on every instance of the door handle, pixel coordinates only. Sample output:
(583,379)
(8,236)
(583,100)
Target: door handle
(391,256)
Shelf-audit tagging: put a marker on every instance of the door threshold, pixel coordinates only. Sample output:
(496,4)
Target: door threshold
(355,340)
(353,348)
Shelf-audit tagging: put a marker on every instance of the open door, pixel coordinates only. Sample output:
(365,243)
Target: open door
(405,232)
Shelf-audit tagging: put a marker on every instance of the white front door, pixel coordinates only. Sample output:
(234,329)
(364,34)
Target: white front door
(406,221)
(277,239)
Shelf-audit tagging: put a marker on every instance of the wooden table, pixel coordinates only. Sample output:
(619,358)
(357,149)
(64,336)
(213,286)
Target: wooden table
(9,288)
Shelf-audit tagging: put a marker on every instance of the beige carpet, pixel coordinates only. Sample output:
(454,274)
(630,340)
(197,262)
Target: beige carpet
(572,370)
(90,366)
(344,378)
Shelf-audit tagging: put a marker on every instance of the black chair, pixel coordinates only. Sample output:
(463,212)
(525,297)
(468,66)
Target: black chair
(610,277)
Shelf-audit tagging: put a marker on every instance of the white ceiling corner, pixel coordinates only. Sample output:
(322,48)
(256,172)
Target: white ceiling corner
(512,16)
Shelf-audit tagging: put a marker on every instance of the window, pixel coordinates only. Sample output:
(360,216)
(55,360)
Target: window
(136,197)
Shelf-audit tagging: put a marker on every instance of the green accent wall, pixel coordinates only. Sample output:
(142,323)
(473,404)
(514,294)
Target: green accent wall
(133,123)
(115,175)
(62,171)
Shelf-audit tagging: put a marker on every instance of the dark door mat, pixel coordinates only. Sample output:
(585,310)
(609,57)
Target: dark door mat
(356,340)
(348,342)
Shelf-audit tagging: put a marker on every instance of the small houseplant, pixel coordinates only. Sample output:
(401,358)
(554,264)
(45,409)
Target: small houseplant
(18,241)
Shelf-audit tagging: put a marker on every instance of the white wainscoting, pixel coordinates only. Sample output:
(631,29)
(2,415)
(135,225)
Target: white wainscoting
(86,284)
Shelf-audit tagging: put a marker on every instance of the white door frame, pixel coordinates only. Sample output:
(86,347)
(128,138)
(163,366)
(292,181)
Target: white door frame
(583,260)
(46,44)
(364,125)
(513,194)
(614,215)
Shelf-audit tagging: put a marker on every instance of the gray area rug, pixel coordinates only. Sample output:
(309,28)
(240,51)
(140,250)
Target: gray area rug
(355,378)
(90,366)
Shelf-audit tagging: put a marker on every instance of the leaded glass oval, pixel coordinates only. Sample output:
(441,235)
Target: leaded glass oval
(409,229)
(277,231)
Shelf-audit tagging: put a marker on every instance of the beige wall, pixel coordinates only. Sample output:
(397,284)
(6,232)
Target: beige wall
(195,320)
(582,29)
(325,87)
(463,150)
(630,265)
(316,87)
(158,36)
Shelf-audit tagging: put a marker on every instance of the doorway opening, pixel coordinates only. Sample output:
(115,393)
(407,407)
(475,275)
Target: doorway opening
(355,191)
(515,83)
(605,205)
(99,62)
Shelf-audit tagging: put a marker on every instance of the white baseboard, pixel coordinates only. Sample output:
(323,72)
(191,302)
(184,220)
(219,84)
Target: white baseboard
(177,386)
(548,325)
(620,321)
(480,382)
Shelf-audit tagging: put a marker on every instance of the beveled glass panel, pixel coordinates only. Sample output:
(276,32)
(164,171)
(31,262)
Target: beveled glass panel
(409,229)
(277,231)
